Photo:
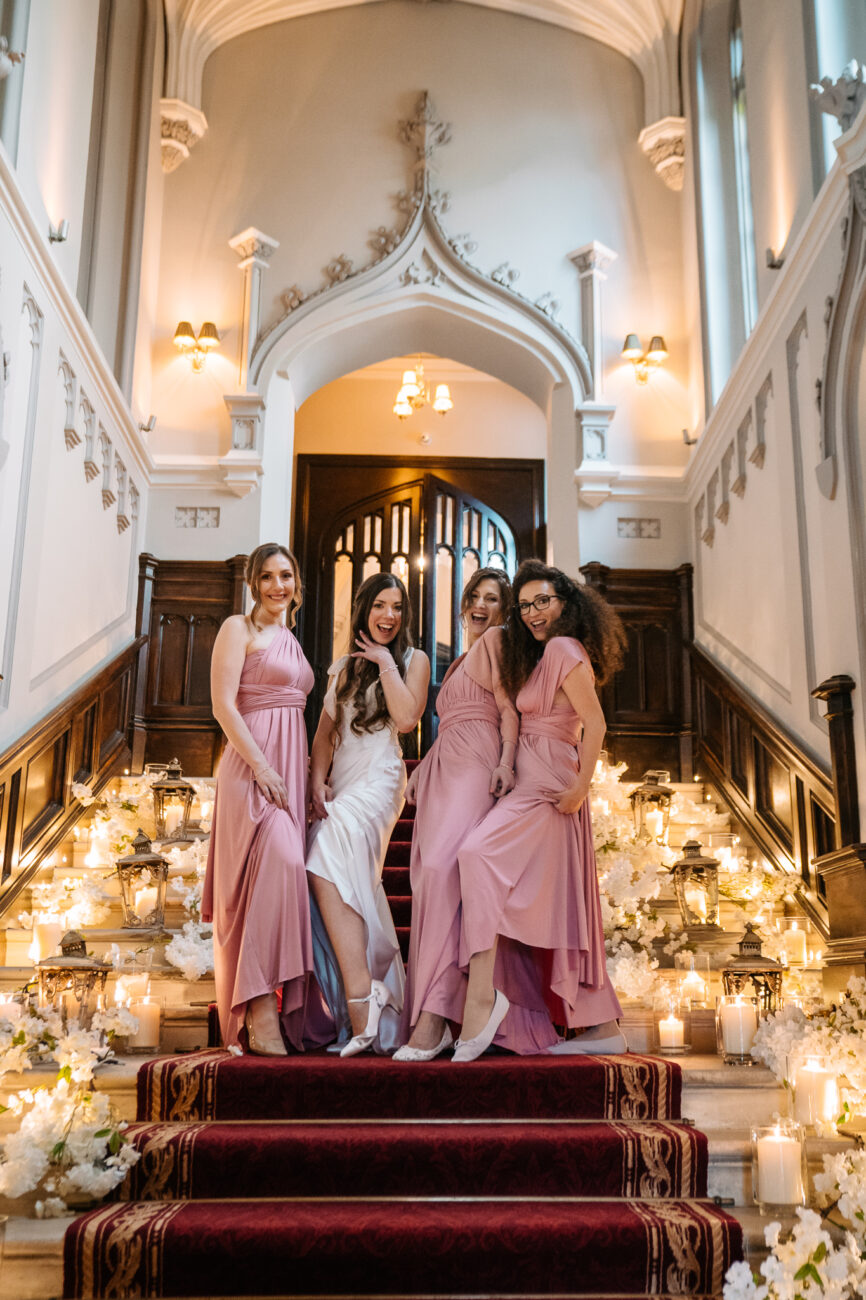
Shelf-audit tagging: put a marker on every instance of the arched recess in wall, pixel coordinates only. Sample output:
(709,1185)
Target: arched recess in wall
(424,295)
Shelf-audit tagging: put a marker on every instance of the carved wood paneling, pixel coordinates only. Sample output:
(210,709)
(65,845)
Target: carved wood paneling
(648,704)
(181,604)
(781,796)
(83,739)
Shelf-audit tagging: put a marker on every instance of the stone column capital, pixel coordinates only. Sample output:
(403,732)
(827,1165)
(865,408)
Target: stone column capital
(253,248)
(664,143)
(181,127)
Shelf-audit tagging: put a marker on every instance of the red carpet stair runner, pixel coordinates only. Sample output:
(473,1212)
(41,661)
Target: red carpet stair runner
(312,1176)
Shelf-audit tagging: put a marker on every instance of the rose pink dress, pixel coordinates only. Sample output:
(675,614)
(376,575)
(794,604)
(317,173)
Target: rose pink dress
(255,889)
(528,872)
(453,797)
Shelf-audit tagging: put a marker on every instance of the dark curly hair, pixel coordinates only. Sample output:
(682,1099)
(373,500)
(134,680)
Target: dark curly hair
(354,681)
(585,616)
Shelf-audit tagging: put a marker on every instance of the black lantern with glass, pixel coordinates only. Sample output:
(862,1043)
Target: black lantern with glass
(696,881)
(753,974)
(172,803)
(143,875)
(651,805)
(71,982)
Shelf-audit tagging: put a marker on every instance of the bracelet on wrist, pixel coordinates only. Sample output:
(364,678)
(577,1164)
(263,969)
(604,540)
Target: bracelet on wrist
(392,668)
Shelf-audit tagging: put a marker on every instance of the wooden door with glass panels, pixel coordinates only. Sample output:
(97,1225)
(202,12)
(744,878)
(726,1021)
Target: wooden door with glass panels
(433,536)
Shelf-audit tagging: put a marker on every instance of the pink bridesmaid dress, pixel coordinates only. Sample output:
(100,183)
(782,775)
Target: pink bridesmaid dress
(255,889)
(453,797)
(528,873)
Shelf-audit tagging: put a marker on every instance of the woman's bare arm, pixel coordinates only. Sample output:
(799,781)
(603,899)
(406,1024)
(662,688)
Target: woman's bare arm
(404,700)
(580,691)
(321,757)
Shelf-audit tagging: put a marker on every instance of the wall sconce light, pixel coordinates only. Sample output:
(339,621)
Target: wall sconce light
(196,348)
(643,362)
(60,233)
(775,261)
(149,425)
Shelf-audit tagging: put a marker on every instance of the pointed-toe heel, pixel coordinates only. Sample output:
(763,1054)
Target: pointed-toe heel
(377,1000)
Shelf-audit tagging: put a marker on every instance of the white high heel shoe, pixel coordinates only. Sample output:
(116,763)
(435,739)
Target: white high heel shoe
(378,999)
(407,1053)
(473,1047)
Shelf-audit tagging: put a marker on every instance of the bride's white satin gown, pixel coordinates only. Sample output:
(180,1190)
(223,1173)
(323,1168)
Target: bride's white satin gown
(368,778)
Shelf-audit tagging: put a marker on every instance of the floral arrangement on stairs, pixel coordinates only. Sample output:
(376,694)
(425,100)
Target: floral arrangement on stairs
(69,1144)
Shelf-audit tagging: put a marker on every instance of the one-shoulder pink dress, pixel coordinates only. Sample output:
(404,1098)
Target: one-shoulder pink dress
(255,889)
(453,796)
(527,872)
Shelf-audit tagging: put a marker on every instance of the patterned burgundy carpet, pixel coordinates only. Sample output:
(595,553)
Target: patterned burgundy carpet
(312,1176)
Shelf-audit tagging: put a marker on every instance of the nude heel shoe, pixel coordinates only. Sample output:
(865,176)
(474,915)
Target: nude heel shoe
(263,1047)
(472,1048)
(377,999)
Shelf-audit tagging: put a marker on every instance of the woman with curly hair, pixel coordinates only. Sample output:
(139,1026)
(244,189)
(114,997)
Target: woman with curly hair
(255,890)
(527,872)
(459,780)
(376,692)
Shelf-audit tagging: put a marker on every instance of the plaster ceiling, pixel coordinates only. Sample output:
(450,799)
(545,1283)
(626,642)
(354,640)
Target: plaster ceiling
(645,31)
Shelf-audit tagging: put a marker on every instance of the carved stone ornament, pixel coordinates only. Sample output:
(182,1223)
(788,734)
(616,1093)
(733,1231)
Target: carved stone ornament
(107,453)
(427,272)
(292,298)
(383,240)
(253,248)
(664,143)
(339,269)
(91,469)
(505,274)
(843,97)
(8,58)
(71,436)
(242,465)
(181,127)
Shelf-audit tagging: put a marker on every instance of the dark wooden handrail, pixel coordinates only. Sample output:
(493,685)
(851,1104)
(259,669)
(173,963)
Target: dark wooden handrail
(84,738)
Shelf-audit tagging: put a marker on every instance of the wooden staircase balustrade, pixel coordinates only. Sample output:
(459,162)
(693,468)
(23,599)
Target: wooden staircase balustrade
(83,739)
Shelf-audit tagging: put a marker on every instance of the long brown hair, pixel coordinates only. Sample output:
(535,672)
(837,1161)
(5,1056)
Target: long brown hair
(371,714)
(500,577)
(253,571)
(585,615)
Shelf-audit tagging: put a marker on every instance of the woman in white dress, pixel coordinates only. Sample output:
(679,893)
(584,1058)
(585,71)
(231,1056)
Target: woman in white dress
(375,693)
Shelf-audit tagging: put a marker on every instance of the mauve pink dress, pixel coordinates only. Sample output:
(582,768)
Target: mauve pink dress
(255,889)
(453,797)
(528,873)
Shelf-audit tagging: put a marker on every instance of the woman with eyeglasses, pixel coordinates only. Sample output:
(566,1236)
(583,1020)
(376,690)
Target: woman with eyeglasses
(470,765)
(527,872)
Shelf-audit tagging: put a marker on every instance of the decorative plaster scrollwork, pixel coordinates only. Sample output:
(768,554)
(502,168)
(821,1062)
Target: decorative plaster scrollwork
(134,501)
(91,469)
(505,274)
(427,273)
(738,487)
(762,402)
(122,485)
(843,97)
(724,509)
(424,132)
(664,143)
(383,241)
(34,318)
(106,452)
(548,304)
(339,269)
(252,245)
(708,536)
(464,245)
(181,127)
(8,58)
(70,434)
(292,298)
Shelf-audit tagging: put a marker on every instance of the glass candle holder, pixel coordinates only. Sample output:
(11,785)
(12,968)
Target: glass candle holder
(148,1013)
(778,1167)
(672,1027)
(816,1096)
(736,1025)
(693,977)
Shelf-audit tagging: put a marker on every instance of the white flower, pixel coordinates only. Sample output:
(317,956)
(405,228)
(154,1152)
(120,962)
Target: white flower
(82,793)
(191,951)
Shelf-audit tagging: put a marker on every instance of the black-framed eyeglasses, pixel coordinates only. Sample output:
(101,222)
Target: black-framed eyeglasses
(540,603)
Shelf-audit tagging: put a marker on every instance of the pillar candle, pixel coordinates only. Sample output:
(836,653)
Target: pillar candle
(655,823)
(147,1015)
(739,1026)
(816,1095)
(173,816)
(671,1032)
(794,945)
(696,901)
(780,1173)
(46,939)
(694,987)
(145,902)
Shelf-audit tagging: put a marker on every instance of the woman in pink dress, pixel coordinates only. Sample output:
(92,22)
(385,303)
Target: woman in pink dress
(255,890)
(470,765)
(527,872)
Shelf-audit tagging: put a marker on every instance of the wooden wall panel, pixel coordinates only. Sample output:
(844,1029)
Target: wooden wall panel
(181,605)
(83,739)
(648,704)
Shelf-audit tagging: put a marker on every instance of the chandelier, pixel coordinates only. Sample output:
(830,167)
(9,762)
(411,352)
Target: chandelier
(415,392)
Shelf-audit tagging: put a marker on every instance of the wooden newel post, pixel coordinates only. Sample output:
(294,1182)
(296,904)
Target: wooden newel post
(843,872)
(836,692)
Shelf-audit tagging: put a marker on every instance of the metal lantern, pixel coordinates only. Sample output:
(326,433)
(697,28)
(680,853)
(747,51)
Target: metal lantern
(651,805)
(752,974)
(172,803)
(71,982)
(696,881)
(142,907)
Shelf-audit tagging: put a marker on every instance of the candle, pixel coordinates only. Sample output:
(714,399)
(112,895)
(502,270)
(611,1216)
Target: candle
(69,1005)
(794,945)
(206,807)
(696,901)
(147,1015)
(131,986)
(739,1026)
(671,1032)
(655,823)
(780,1172)
(694,987)
(816,1095)
(173,816)
(145,901)
(47,934)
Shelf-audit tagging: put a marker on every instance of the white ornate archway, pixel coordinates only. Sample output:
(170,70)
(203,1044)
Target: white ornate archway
(420,293)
